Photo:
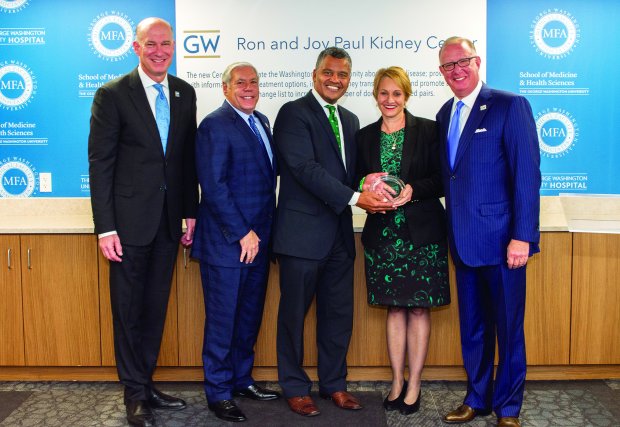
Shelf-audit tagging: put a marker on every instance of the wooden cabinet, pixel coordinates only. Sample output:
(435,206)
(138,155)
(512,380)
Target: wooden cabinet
(595,322)
(11,317)
(50,301)
(60,300)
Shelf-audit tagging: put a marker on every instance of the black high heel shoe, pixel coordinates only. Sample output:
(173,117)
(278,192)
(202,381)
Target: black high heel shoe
(410,409)
(393,405)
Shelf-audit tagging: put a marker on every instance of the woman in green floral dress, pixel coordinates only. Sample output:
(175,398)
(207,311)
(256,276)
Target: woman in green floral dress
(406,255)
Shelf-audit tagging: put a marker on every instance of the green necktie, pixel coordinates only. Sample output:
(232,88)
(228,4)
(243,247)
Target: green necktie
(333,120)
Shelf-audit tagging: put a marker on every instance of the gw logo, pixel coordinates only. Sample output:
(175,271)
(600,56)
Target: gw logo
(554,33)
(201,43)
(557,132)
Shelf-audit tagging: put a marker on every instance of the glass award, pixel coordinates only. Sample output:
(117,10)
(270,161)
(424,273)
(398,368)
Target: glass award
(394,182)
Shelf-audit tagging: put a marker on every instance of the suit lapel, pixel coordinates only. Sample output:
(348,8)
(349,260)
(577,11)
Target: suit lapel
(176,98)
(410,137)
(374,148)
(249,138)
(478,111)
(138,97)
(321,117)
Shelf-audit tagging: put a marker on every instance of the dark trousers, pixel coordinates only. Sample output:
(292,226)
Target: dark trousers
(234,300)
(492,304)
(331,280)
(139,292)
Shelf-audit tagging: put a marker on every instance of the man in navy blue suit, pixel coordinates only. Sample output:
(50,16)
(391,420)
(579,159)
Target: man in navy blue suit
(491,174)
(237,174)
(313,235)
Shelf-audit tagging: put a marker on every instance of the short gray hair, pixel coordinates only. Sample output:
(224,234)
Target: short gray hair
(227,75)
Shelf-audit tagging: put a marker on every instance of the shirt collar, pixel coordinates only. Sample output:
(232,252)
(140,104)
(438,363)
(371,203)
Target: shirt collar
(147,81)
(244,116)
(320,100)
(470,99)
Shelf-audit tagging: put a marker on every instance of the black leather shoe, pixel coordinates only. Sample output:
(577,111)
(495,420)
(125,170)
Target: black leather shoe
(139,413)
(394,405)
(257,393)
(406,409)
(159,400)
(227,410)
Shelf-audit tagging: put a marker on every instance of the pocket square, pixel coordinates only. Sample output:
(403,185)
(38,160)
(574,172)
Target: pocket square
(480,130)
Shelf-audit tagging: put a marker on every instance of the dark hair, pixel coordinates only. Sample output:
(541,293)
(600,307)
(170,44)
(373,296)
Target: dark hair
(336,52)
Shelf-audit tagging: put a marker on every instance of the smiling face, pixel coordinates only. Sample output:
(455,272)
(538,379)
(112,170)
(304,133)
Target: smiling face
(242,91)
(155,47)
(462,80)
(390,98)
(331,78)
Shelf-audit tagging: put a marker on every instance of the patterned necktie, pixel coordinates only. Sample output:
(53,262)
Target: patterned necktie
(162,115)
(260,139)
(333,120)
(454,133)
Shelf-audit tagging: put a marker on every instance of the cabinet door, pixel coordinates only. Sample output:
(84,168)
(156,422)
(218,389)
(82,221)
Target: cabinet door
(192,316)
(11,318)
(595,318)
(60,300)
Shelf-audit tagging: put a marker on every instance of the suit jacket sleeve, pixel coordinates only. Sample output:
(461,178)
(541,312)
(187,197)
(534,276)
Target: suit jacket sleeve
(190,179)
(214,160)
(521,144)
(102,149)
(293,137)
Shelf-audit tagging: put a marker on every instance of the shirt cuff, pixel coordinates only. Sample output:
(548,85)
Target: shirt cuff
(106,234)
(354,199)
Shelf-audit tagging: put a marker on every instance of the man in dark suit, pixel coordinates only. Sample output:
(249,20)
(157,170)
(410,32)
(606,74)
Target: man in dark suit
(237,175)
(313,235)
(143,183)
(491,177)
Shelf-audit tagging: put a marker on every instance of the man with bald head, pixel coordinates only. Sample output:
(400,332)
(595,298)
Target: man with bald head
(143,183)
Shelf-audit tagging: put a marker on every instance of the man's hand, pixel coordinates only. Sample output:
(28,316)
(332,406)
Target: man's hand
(370,179)
(190,227)
(249,247)
(372,202)
(111,247)
(517,253)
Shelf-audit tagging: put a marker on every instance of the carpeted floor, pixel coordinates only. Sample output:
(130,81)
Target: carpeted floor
(82,404)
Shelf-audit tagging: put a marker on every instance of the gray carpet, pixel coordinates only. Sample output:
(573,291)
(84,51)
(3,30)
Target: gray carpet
(10,401)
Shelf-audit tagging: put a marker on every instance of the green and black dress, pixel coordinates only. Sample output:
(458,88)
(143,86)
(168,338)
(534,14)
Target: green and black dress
(397,273)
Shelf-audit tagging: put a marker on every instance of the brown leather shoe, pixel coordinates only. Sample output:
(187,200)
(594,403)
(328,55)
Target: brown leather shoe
(463,414)
(343,400)
(508,422)
(303,405)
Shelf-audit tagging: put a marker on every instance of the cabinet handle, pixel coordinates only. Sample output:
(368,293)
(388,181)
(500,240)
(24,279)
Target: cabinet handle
(29,265)
(8,257)
(184,257)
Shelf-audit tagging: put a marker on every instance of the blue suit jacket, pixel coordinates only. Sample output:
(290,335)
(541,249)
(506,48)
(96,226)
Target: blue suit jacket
(237,188)
(315,186)
(492,194)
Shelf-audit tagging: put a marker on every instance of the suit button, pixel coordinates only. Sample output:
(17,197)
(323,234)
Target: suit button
(162,187)
(453,177)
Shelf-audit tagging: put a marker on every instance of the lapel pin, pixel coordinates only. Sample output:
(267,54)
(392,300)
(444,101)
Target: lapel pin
(483,107)
(177,94)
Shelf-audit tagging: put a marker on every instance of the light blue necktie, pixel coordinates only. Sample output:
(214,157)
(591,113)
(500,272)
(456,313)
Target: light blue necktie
(260,139)
(162,115)
(454,134)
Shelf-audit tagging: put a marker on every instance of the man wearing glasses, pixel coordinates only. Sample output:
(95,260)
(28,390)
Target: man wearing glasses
(491,173)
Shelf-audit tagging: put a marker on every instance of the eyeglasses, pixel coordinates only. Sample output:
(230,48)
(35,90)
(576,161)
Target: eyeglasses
(463,62)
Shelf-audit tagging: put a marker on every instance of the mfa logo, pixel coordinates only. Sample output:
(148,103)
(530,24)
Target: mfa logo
(201,43)
(18,178)
(110,35)
(12,6)
(557,132)
(554,33)
(17,85)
